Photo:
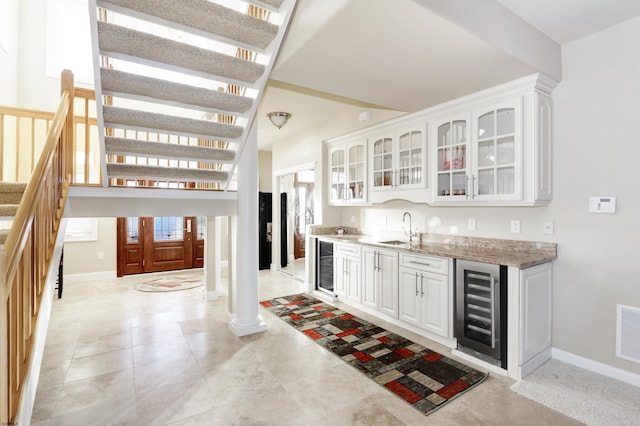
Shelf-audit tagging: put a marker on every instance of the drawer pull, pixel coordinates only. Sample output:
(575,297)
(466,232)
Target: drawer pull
(420,263)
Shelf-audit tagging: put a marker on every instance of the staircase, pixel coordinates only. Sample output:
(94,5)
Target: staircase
(10,196)
(178,85)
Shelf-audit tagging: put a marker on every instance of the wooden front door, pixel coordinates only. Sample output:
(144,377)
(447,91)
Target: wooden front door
(156,244)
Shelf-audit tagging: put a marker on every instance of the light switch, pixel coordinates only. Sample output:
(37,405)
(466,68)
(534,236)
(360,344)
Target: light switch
(472,225)
(602,204)
(515,226)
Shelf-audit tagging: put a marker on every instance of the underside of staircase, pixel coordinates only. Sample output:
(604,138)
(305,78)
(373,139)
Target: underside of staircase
(178,85)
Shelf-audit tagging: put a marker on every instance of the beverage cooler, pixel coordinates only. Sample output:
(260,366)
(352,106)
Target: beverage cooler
(481,311)
(324,266)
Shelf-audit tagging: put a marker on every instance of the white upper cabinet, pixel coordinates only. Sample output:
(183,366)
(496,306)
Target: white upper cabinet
(494,149)
(398,163)
(452,145)
(348,172)
(490,148)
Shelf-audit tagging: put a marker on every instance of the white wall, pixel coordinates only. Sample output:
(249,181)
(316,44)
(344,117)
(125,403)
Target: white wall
(308,147)
(596,151)
(265,171)
(35,89)
(82,257)
(9,52)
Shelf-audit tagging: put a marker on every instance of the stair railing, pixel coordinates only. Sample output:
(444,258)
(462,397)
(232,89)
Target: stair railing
(26,256)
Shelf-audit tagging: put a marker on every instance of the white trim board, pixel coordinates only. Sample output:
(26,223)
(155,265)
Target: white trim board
(596,367)
(294,169)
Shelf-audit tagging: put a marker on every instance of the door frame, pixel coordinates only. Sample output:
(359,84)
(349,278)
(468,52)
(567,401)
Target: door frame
(192,246)
(275,262)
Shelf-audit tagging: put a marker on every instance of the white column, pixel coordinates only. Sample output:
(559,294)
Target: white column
(246,320)
(212,262)
(232,264)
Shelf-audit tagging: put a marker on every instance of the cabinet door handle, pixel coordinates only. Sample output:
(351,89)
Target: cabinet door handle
(493,311)
(421,285)
(379,261)
(473,186)
(417,284)
(395,178)
(420,263)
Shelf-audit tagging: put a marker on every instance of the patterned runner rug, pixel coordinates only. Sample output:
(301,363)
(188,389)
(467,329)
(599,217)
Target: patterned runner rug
(423,378)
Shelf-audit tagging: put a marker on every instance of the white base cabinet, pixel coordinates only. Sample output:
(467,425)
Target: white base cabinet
(425,293)
(346,278)
(380,280)
(530,315)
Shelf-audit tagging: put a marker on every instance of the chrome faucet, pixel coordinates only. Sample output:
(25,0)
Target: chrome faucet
(411,234)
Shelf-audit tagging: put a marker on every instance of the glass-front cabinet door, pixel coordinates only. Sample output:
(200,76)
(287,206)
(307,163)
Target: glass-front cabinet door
(383,167)
(357,171)
(497,151)
(398,163)
(337,174)
(348,172)
(478,155)
(410,153)
(452,167)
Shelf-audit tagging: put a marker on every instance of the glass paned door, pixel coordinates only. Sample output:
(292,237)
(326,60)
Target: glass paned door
(383,163)
(496,152)
(452,158)
(410,158)
(356,172)
(337,174)
(168,228)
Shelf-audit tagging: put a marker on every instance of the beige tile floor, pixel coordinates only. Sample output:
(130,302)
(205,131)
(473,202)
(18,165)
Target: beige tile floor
(295,268)
(118,356)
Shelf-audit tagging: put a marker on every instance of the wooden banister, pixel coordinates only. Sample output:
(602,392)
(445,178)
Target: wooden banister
(27,253)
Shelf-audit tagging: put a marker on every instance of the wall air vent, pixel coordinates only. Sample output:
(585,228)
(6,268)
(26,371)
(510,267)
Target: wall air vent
(628,333)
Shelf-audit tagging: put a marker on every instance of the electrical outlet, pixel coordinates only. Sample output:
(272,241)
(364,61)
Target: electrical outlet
(100,255)
(547,227)
(472,225)
(353,219)
(515,226)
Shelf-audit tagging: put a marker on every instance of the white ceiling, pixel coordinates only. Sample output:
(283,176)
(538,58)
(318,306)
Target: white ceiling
(568,20)
(408,57)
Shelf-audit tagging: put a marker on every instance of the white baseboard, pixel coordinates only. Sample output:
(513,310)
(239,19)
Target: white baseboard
(89,276)
(596,367)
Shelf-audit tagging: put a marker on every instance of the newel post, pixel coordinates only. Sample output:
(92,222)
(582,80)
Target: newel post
(68,133)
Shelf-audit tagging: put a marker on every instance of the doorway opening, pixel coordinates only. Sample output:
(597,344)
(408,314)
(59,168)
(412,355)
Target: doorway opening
(158,244)
(296,212)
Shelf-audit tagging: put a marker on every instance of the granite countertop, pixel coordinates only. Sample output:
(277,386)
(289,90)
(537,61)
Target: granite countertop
(520,254)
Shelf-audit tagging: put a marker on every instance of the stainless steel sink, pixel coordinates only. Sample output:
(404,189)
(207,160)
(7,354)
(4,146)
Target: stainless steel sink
(394,242)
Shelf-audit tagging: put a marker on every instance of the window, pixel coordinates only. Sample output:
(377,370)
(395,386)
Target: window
(168,228)
(132,229)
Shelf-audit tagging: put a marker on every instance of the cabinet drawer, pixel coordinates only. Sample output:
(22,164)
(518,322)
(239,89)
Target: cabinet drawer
(351,250)
(437,265)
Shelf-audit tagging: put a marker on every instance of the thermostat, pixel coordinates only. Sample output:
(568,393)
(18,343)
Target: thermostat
(602,204)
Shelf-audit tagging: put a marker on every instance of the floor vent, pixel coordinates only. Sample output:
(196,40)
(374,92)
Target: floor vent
(628,333)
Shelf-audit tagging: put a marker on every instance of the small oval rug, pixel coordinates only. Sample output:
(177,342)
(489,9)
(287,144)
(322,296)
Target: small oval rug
(170,283)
